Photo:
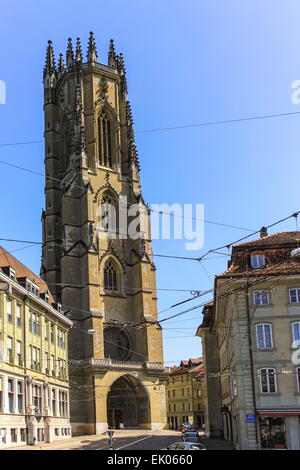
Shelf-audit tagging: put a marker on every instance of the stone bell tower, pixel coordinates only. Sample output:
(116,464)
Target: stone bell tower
(106,284)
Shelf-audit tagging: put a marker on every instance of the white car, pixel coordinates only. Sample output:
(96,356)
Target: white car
(185,446)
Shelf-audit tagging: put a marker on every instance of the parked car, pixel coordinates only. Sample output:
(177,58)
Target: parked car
(195,439)
(185,446)
(188,434)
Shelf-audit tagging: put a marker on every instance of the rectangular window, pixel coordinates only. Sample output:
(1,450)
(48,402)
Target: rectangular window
(296,334)
(18,314)
(11,396)
(53,402)
(173,393)
(13,435)
(257,261)
(268,381)
(3,435)
(37,398)
(52,365)
(261,297)
(19,352)
(183,406)
(1,394)
(52,333)
(23,435)
(10,349)
(8,310)
(294,296)
(264,336)
(46,363)
(46,329)
(20,397)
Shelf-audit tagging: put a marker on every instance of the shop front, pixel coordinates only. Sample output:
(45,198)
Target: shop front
(279,429)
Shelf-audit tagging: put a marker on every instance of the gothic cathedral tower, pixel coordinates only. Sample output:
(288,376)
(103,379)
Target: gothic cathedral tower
(106,284)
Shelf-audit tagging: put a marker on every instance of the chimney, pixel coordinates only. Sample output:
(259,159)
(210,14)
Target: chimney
(263,232)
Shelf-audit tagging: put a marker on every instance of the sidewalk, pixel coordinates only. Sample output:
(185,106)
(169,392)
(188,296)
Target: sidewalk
(87,439)
(216,444)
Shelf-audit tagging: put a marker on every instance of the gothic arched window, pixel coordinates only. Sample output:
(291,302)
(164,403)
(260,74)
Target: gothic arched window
(110,277)
(108,213)
(105,140)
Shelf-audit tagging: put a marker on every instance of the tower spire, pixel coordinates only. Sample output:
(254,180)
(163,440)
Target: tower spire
(112,54)
(92,52)
(78,53)
(122,72)
(70,54)
(78,143)
(50,60)
(61,64)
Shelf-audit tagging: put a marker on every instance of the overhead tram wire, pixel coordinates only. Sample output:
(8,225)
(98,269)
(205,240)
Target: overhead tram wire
(162,129)
(128,205)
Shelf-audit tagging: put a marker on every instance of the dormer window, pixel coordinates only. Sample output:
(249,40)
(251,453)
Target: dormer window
(12,274)
(257,261)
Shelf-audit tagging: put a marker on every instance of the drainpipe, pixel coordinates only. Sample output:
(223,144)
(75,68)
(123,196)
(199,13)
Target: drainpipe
(251,361)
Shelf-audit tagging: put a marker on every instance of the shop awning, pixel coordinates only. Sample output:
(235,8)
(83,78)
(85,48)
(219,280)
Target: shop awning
(283,412)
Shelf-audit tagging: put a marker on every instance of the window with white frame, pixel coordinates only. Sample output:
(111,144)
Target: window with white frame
(19,352)
(261,297)
(257,261)
(1,393)
(53,396)
(8,309)
(268,380)
(10,349)
(298,378)
(11,395)
(37,397)
(296,334)
(20,395)
(18,314)
(264,336)
(46,365)
(63,404)
(294,295)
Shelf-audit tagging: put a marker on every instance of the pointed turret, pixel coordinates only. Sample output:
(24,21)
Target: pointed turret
(92,52)
(50,61)
(122,72)
(61,65)
(70,54)
(78,142)
(112,62)
(78,53)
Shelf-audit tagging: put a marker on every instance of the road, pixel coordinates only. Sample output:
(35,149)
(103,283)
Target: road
(137,442)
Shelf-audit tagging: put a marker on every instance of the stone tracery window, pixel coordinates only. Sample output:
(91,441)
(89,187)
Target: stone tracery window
(110,277)
(108,213)
(116,344)
(105,140)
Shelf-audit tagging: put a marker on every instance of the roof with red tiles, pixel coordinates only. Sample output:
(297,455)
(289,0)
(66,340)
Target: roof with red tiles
(7,259)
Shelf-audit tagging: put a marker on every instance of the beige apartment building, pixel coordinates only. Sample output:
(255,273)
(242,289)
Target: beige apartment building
(34,385)
(185,394)
(255,320)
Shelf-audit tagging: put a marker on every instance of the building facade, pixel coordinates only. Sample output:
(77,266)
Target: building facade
(211,376)
(34,387)
(256,318)
(101,271)
(185,394)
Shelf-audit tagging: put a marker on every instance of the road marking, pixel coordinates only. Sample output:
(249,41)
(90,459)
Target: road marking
(131,443)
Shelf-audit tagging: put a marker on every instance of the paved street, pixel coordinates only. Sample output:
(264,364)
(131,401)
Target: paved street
(127,440)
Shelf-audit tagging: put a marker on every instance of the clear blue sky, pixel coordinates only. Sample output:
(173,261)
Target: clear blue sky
(187,62)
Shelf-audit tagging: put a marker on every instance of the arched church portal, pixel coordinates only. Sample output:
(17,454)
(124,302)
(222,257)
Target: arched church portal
(128,403)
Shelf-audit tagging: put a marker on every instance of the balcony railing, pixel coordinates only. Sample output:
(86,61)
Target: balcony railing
(107,363)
